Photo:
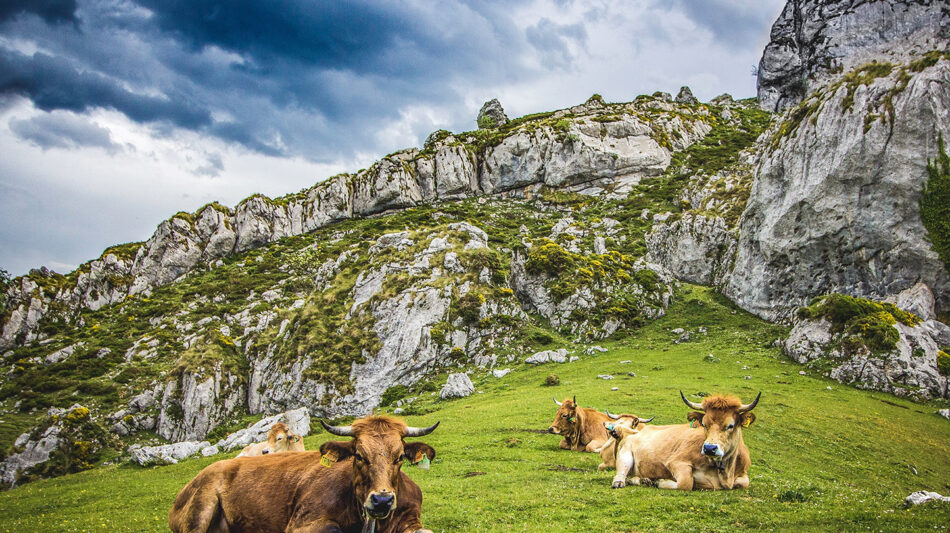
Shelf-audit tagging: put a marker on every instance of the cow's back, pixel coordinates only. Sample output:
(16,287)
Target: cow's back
(655,447)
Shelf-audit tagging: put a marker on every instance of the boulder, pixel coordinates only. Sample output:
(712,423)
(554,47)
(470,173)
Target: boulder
(501,372)
(457,386)
(548,356)
(923,496)
(167,454)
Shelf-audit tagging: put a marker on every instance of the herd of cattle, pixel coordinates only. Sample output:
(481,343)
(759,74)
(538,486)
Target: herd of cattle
(358,485)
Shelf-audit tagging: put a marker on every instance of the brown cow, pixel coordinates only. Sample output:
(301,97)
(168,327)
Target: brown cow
(711,455)
(608,450)
(279,439)
(582,427)
(345,487)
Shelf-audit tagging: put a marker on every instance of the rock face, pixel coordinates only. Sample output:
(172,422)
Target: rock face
(813,39)
(491,115)
(685,96)
(835,204)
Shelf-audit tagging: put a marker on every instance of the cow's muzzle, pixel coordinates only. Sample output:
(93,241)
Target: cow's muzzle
(553,430)
(379,504)
(712,450)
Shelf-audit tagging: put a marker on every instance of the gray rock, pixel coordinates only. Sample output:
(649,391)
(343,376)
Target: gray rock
(685,96)
(501,372)
(297,420)
(456,386)
(917,300)
(548,356)
(34,453)
(398,411)
(491,115)
(167,454)
(605,376)
(208,451)
(944,413)
(799,236)
(923,496)
(813,39)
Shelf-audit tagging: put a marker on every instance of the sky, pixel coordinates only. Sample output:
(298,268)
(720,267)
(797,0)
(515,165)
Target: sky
(115,114)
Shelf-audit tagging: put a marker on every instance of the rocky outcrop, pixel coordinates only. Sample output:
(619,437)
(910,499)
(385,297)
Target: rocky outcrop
(491,115)
(694,248)
(835,204)
(577,149)
(812,40)
(194,404)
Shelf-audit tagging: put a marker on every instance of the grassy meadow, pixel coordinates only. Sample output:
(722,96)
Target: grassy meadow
(825,456)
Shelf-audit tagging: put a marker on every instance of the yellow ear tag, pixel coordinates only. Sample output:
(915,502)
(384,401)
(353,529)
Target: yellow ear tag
(326,461)
(747,422)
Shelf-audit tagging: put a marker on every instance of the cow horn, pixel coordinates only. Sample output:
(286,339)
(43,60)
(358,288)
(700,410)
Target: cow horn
(611,415)
(343,431)
(575,400)
(751,406)
(557,402)
(692,405)
(420,432)
(645,420)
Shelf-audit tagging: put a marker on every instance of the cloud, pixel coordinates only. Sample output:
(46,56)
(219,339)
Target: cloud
(63,130)
(553,42)
(52,11)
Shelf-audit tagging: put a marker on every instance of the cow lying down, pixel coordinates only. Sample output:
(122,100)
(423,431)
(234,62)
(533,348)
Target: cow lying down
(354,485)
(710,455)
(581,427)
(279,439)
(608,450)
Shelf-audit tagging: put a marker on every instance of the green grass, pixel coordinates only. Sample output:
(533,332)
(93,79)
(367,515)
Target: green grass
(839,459)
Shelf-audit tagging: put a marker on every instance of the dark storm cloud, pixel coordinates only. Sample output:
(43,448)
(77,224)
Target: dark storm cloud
(552,42)
(63,130)
(282,78)
(49,10)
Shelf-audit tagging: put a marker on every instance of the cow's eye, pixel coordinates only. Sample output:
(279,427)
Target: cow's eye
(398,461)
(279,439)
(730,426)
(358,457)
(564,415)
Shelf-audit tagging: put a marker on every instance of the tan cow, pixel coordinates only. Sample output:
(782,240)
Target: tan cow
(279,439)
(582,427)
(608,450)
(710,455)
(346,486)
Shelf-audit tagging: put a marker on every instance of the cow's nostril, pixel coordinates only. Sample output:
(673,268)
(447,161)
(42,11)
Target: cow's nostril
(551,429)
(710,448)
(265,452)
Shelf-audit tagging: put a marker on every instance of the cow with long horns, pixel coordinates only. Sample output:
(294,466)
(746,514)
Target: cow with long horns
(356,485)
(707,453)
(582,427)
(608,450)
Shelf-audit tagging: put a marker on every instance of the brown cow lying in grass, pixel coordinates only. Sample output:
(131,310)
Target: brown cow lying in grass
(345,486)
(279,439)
(582,427)
(711,455)
(625,421)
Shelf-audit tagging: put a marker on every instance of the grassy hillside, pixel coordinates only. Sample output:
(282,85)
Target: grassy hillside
(825,456)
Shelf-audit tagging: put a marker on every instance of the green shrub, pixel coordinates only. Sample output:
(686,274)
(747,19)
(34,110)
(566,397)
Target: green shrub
(935,204)
(552,380)
(393,394)
(943,362)
(868,321)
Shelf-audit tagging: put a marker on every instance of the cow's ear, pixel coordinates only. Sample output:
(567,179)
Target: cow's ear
(695,416)
(746,419)
(413,451)
(337,449)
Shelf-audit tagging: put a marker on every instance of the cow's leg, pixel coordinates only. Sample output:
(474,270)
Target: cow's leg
(593,445)
(682,473)
(624,464)
(200,512)
(564,445)
(741,482)
(320,527)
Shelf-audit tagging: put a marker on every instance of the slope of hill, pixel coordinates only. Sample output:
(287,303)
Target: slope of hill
(824,456)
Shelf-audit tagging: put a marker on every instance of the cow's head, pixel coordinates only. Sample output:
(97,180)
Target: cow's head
(625,421)
(279,439)
(378,451)
(566,420)
(722,418)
